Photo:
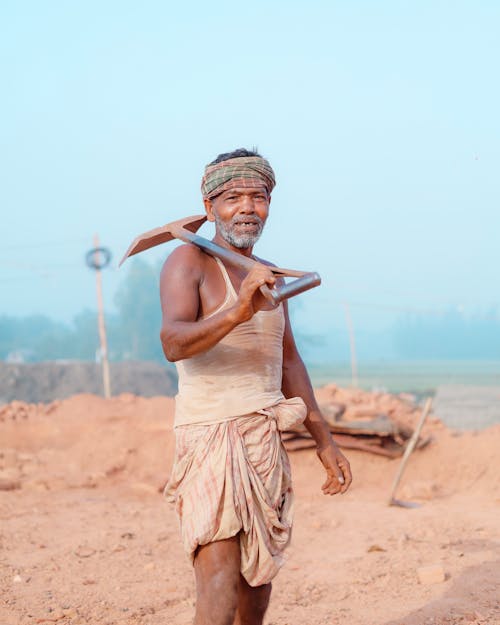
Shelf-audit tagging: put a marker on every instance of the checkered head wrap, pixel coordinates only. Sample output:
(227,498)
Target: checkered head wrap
(248,172)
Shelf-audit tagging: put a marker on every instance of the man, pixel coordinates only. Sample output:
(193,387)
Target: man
(241,379)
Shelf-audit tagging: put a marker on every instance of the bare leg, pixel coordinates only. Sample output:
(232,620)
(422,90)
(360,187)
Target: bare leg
(217,572)
(252,603)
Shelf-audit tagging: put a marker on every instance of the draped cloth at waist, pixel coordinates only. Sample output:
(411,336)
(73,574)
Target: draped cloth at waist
(233,478)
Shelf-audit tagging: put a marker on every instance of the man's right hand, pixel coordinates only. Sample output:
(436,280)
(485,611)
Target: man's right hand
(183,333)
(250,299)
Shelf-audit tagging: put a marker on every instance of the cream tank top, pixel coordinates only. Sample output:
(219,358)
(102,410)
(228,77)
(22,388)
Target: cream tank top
(239,375)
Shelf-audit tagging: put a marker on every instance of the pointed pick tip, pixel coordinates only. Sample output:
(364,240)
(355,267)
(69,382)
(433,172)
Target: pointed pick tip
(163,234)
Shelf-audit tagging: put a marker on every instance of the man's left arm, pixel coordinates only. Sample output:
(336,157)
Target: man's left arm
(296,383)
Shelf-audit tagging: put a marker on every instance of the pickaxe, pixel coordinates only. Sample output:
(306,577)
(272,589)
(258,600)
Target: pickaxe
(185,230)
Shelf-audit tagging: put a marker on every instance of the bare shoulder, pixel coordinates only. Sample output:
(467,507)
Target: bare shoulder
(186,261)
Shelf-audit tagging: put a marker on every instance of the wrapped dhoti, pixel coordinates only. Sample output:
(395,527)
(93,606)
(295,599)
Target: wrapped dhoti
(231,474)
(233,478)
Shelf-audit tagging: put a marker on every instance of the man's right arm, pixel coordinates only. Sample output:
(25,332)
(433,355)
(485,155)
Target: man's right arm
(184,335)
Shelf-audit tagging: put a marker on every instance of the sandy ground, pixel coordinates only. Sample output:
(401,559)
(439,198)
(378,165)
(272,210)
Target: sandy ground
(86,537)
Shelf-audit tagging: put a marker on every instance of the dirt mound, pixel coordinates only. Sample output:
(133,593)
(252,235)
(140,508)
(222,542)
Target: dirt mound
(89,441)
(359,404)
(48,381)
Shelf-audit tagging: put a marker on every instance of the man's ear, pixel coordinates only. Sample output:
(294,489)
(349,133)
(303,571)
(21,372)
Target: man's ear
(209,209)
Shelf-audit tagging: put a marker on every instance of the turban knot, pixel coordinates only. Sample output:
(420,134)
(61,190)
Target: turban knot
(248,172)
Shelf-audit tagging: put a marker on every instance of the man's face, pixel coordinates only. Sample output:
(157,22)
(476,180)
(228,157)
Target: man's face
(240,215)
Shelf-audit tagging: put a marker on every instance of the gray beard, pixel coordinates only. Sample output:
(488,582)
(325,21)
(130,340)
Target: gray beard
(241,242)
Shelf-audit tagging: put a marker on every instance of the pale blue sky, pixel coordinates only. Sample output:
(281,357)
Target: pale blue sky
(380,119)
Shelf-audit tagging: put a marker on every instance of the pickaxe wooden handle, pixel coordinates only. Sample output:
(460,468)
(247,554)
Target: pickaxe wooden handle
(185,230)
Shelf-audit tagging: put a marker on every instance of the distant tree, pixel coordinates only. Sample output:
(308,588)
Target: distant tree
(137,300)
(54,344)
(32,334)
(133,333)
(85,340)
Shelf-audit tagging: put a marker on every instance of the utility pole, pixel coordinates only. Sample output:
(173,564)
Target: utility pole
(352,346)
(98,258)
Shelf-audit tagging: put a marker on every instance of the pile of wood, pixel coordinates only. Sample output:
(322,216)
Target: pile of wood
(380,423)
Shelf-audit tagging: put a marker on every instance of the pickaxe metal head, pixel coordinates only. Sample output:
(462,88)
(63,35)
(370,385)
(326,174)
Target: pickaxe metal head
(163,234)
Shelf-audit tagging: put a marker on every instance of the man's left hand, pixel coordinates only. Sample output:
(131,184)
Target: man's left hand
(338,470)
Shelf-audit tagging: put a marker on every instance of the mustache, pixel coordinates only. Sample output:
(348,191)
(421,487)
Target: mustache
(246,220)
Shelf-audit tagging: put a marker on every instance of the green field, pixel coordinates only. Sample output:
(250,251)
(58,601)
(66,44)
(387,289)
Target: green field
(415,376)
